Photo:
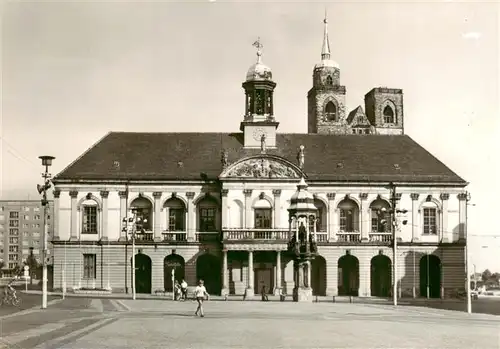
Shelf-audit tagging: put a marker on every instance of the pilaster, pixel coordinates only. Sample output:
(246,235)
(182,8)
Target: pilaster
(462,215)
(277,288)
(104,213)
(224,208)
(225,274)
(250,291)
(248,208)
(415,235)
(157,215)
(332,221)
(191,221)
(123,213)
(365,233)
(445,236)
(55,222)
(277,208)
(74,217)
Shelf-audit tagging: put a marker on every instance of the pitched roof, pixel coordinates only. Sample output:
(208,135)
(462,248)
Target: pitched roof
(196,156)
(353,117)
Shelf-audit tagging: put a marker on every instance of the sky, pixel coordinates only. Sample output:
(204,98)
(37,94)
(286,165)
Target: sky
(73,71)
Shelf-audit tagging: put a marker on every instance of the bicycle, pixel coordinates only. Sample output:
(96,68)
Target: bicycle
(10,300)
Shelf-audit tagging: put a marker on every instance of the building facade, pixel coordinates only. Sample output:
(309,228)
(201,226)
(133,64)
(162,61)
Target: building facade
(214,206)
(21,229)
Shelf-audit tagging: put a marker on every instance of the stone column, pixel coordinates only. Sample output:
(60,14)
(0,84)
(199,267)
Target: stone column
(157,216)
(74,217)
(224,208)
(55,220)
(123,214)
(415,236)
(277,208)
(250,286)
(462,216)
(248,208)
(191,221)
(332,223)
(277,288)
(363,217)
(104,226)
(225,274)
(445,237)
(308,264)
(365,278)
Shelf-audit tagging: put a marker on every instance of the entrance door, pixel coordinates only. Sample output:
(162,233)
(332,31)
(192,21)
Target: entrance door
(263,277)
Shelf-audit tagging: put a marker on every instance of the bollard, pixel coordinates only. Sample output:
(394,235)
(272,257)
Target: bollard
(333,299)
(350,299)
(316,299)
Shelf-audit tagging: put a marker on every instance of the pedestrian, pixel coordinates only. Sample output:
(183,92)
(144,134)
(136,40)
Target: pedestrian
(177,290)
(263,294)
(184,289)
(200,292)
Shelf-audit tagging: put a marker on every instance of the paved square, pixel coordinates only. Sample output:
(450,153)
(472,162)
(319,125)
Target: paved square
(96,323)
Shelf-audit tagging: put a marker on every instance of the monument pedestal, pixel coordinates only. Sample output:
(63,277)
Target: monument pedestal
(302,294)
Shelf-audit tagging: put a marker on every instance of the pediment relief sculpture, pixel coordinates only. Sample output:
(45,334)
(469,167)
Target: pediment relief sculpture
(262,167)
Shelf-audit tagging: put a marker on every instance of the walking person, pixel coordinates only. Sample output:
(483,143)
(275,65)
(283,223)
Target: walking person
(184,289)
(200,292)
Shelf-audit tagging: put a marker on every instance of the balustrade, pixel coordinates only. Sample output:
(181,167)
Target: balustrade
(256,234)
(348,237)
(380,237)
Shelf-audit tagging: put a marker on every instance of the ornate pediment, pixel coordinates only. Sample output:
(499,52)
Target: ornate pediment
(262,167)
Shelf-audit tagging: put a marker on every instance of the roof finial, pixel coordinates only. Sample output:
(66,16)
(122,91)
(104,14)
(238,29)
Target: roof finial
(259,51)
(325,51)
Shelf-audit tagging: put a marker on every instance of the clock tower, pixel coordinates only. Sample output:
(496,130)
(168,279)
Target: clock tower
(258,125)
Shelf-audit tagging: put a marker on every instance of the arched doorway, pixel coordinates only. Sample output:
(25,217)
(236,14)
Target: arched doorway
(348,275)
(208,269)
(381,276)
(176,263)
(142,273)
(318,276)
(430,276)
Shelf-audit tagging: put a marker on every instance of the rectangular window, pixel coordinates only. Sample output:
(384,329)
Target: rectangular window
(207,219)
(13,240)
(143,214)
(26,225)
(12,265)
(36,209)
(89,266)
(37,216)
(14,215)
(263,218)
(346,221)
(13,248)
(12,257)
(26,209)
(377,224)
(14,231)
(89,220)
(13,223)
(26,217)
(176,219)
(430,221)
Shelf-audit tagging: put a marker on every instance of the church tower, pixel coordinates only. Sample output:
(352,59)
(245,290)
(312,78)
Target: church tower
(258,125)
(326,99)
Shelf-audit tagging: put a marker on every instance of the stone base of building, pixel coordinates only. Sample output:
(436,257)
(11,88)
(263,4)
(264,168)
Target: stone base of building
(277,291)
(249,294)
(302,294)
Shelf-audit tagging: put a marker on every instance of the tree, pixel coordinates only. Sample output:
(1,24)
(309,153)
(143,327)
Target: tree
(486,275)
(32,263)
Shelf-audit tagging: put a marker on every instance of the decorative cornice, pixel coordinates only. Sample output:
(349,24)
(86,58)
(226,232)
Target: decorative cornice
(56,193)
(276,192)
(190,195)
(247,192)
(414,196)
(157,194)
(224,192)
(73,194)
(330,196)
(122,194)
(444,196)
(104,194)
(363,196)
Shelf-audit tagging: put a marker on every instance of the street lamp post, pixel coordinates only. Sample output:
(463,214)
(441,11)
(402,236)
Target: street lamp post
(467,288)
(42,189)
(130,225)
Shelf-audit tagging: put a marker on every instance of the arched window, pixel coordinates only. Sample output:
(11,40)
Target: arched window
(388,115)
(176,214)
(262,214)
(89,211)
(331,111)
(380,220)
(329,80)
(143,210)
(348,215)
(207,214)
(320,215)
(430,215)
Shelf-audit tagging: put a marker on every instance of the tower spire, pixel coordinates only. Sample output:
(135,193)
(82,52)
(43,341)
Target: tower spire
(259,46)
(325,51)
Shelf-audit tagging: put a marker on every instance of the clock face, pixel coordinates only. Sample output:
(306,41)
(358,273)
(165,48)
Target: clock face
(258,132)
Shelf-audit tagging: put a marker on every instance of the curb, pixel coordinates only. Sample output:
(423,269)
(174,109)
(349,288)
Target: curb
(31,310)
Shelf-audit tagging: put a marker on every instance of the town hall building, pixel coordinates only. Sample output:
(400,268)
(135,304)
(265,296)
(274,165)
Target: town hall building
(217,206)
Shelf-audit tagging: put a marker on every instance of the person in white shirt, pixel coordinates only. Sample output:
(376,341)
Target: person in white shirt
(184,289)
(200,292)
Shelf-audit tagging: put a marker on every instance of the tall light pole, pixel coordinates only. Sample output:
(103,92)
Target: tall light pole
(468,295)
(42,189)
(130,225)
